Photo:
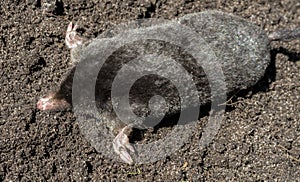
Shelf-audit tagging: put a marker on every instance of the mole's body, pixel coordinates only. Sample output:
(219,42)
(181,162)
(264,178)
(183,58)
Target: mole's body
(241,49)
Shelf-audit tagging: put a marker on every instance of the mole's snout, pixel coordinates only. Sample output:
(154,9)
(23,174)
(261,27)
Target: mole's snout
(50,102)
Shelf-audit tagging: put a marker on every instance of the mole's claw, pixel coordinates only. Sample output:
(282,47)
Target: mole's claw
(72,39)
(125,156)
(70,27)
(121,146)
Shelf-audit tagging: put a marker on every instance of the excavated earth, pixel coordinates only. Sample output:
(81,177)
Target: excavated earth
(259,138)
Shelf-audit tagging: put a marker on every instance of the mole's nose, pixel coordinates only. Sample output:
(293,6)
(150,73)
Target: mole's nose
(49,102)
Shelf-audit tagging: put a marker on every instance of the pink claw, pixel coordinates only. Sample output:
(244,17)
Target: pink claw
(121,146)
(72,39)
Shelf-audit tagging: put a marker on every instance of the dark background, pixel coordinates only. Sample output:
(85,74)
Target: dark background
(259,138)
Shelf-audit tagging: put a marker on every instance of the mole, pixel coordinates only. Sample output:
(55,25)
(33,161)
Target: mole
(241,48)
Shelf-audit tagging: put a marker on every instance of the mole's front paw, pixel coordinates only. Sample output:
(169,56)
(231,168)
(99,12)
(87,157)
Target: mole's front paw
(72,39)
(121,146)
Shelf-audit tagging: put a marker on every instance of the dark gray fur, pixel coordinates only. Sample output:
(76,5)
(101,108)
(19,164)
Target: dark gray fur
(241,48)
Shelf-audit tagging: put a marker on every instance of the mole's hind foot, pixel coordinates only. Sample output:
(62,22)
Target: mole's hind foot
(121,145)
(72,39)
(51,103)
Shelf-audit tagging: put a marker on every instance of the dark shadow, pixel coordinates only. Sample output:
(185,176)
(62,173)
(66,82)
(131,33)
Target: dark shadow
(136,135)
(149,11)
(170,121)
(293,56)
(263,85)
(38,3)
(59,8)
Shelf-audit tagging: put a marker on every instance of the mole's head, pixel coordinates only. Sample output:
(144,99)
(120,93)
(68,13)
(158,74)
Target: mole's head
(60,99)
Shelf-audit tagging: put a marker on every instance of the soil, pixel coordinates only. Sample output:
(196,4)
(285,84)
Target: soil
(259,138)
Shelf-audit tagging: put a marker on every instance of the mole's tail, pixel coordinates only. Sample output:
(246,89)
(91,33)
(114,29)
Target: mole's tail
(284,35)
